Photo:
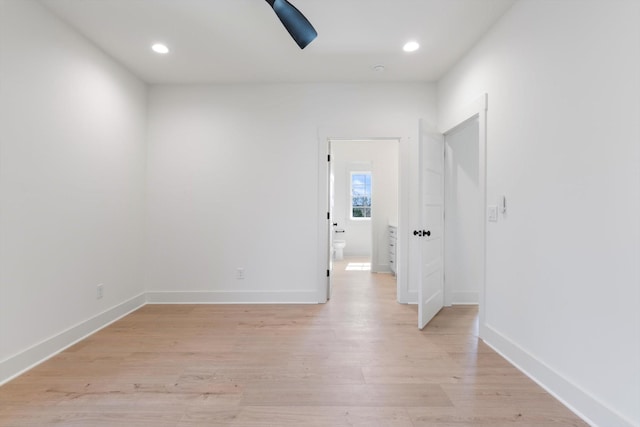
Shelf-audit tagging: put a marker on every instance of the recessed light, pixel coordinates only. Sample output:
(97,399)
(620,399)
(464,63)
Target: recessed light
(160,48)
(411,46)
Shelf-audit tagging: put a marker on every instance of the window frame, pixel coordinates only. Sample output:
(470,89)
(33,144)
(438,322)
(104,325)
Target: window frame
(370,195)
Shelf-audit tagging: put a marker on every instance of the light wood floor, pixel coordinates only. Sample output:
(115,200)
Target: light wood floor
(357,361)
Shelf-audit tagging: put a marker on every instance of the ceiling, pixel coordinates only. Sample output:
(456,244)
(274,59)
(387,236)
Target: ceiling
(242,41)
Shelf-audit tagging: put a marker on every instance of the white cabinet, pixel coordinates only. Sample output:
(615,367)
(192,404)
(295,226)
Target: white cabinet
(393,244)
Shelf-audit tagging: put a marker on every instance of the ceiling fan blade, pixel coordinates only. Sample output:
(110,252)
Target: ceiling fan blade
(294,21)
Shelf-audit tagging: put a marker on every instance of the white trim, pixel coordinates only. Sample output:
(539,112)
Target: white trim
(465,297)
(411,297)
(586,406)
(481,104)
(403,294)
(22,362)
(16,365)
(324,252)
(478,108)
(231,297)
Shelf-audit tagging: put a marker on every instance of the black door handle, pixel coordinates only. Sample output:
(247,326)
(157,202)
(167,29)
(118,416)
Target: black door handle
(427,233)
(417,233)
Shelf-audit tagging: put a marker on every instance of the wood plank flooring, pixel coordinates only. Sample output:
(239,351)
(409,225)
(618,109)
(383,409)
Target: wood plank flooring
(357,361)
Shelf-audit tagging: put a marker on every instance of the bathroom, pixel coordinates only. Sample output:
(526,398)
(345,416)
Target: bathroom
(368,170)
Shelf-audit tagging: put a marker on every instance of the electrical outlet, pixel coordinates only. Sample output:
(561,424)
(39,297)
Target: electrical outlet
(240,273)
(99,291)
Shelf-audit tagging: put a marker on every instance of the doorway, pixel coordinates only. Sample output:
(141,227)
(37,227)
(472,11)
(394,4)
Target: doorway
(465,133)
(363,203)
(463,240)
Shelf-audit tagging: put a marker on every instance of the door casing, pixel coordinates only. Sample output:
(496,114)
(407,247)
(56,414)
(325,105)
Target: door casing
(406,145)
(478,109)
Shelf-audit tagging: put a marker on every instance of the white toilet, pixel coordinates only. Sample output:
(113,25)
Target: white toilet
(338,249)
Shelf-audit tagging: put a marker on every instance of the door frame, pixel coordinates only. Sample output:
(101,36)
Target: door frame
(478,109)
(406,147)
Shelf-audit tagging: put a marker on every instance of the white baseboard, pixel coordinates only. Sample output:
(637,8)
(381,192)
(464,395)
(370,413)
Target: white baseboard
(16,365)
(38,353)
(217,297)
(583,404)
(357,254)
(412,298)
(465,297)
(380,268)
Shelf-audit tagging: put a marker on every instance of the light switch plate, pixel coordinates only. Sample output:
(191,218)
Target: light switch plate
(492,213)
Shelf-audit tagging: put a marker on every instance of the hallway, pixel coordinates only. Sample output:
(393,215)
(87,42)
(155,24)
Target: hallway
(358,360)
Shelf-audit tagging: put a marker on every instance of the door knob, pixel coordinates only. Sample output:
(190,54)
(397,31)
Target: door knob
(417,233)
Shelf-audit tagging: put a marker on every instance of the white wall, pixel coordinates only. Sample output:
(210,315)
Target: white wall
(463,238)
(563,280)
(72,156)
(233,182)
(369,238)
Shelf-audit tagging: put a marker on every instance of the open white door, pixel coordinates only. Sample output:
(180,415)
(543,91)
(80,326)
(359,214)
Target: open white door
(431,285)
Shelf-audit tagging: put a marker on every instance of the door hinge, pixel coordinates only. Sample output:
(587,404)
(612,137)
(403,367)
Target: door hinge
(328,215)
(328,273)
(328,157)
